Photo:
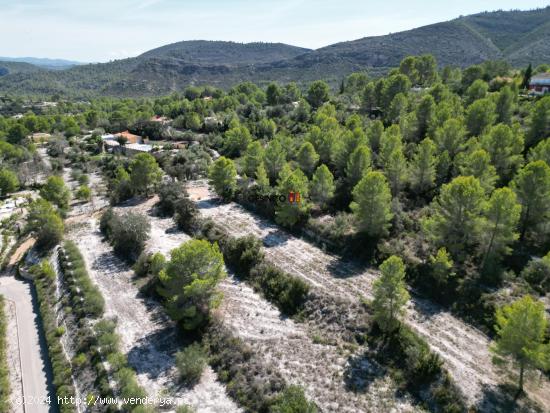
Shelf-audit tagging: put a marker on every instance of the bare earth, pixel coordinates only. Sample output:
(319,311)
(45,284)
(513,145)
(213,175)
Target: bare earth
(464,350)
(285,345)
(14,367)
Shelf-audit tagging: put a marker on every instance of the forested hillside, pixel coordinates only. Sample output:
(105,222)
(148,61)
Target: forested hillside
(519,37)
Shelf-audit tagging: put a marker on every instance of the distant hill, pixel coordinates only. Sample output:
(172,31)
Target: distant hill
(7,67)
(203,52)
(521,37)
(45,63)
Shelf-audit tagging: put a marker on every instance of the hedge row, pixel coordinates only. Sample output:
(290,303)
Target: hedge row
(87,300)
(45,282)
(416,368)
(4,374)
(100,344)
(244,255)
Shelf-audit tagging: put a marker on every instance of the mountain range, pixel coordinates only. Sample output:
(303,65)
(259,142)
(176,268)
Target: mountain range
(520,37)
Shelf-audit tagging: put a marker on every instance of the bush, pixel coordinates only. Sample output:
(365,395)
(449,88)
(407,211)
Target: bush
(44,220)
(185,214)
(105,222)
(287,292)
(293,400)
(242,254)
(169,194)
(190,363)
(127,233)
(89,302)
(537,274)
(84,193)
(149,264)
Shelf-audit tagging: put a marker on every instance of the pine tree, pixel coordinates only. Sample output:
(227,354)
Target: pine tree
(390,294)
(532,186)
(500,228)
(456,220)
(274,159)
(423,168)
(521,328)
(358,165)
(478,165)
(371,204)
(289,213)
(253,157)
(307,158)
(262,179)
(505,146)
(322,186)
(223,177)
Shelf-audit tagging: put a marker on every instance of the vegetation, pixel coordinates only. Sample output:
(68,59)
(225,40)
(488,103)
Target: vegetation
(127,232)
(188,282)
(44,282)
(190,363)
(44,221)
(4,373)
(521,328)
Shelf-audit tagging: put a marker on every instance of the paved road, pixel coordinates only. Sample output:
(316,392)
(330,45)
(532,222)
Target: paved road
(34,359)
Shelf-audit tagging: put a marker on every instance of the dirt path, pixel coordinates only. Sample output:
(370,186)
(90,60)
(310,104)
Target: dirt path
(285,345)
(464,349)
(148,337)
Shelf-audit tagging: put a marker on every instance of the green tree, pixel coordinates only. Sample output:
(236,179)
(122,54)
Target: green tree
(374,135)
(262,179)
(505,146)
(55,191)
(322,186)
(223,177)
(253,157)
(478,164)
(390,294)
(8,181)
(289,213)
(274,159)
(477,90)
(236,140)
(423,167)
(189,282)
(479,116)
(532,186)
(541,152)
(456,219)
(371,204)
(441,267)
(521,328)
(318,93)
(450,137)
(145,174)
(527,77)
(273,94)
(393,159)
(17,133)
(359,164)
(128,233)
(45,222)
(539,126)
(307,158)
(500,228)
(393,85)
(425,113)
(505,105)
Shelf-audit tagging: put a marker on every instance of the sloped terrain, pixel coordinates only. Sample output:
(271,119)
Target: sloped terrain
(464,350)
(521,37)
(286,346)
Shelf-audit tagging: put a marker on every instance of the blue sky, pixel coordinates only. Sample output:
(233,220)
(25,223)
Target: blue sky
(103,30)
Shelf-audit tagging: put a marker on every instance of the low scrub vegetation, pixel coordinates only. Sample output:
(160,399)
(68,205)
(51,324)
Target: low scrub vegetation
(87,300)
(44,281)
(4,373)
(126,232)
(190,363)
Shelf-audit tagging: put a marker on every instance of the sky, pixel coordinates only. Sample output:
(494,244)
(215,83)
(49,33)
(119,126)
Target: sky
(103,30)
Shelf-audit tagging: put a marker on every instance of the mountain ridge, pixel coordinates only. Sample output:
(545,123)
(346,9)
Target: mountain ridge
(520,37)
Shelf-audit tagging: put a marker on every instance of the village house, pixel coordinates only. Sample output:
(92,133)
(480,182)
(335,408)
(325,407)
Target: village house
(130,137)
(540,84)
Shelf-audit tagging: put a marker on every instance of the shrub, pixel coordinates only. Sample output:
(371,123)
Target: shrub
(185,214)
(169,194)
(149,264)
(537,274)
(293,400)
(84,193)
(287,292)
(242,254)
(46,223)
(190,363)
(105,222)
(128,233)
